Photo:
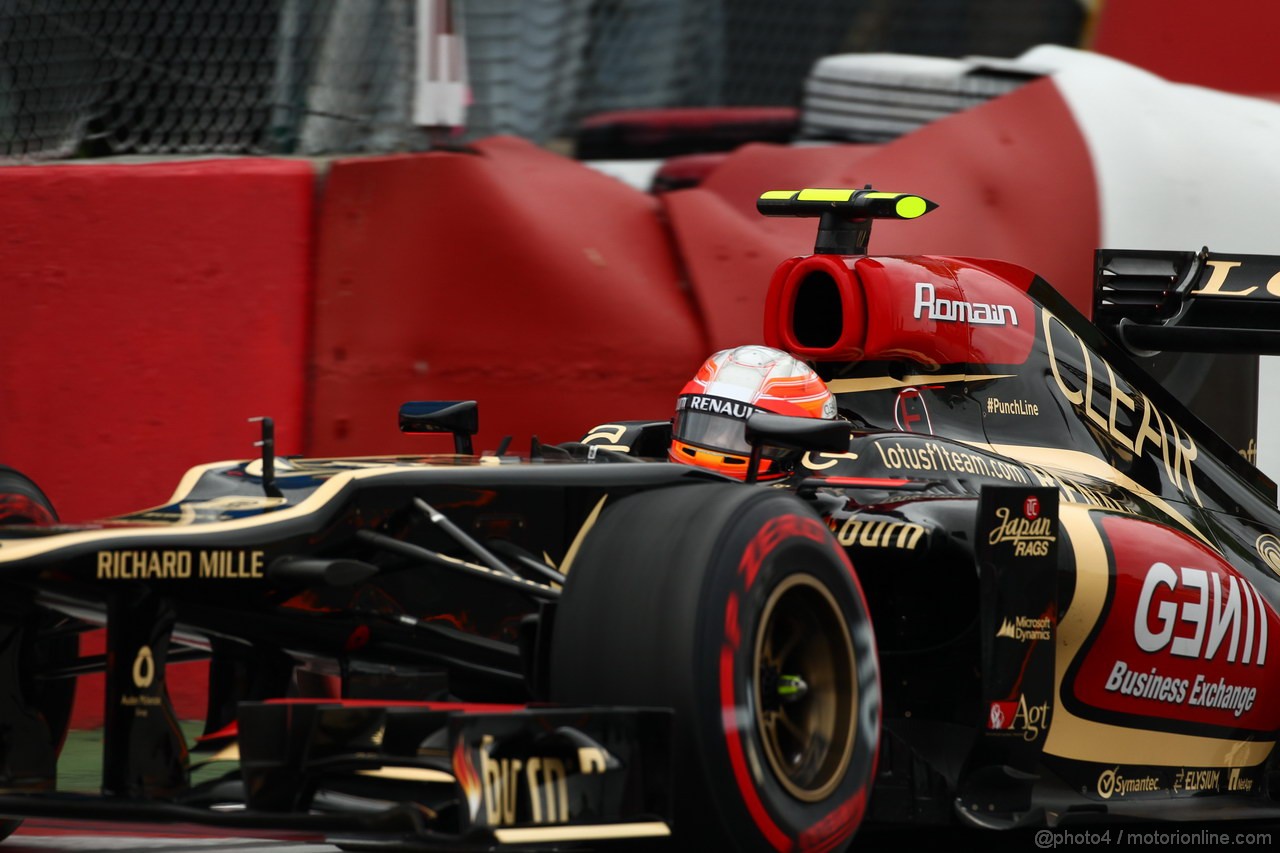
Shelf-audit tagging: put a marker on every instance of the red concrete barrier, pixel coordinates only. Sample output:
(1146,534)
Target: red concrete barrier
(148,311)
(1013,178)
(545,290)
(1227,46)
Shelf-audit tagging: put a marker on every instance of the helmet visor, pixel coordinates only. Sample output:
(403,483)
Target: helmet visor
(716,423)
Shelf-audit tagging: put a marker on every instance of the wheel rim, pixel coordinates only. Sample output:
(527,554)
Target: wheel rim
(806,688)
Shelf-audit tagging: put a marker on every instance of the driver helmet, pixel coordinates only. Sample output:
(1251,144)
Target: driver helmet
(709,429)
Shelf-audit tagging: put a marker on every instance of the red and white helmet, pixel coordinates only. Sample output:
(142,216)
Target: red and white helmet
(709,429)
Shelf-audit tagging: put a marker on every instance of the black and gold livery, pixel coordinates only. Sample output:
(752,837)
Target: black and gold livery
(1043,591)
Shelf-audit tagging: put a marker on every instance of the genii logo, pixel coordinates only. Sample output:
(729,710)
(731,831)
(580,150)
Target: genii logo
(1183,635)
(1214,621)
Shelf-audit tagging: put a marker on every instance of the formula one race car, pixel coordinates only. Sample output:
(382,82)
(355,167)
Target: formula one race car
(1017,583)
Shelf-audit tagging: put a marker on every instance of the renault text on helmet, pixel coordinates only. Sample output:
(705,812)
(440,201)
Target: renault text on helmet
(712,410)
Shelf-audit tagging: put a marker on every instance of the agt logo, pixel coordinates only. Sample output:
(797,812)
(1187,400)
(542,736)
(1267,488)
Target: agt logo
(1018,716)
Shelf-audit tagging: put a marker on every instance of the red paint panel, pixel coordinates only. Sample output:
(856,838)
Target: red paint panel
(938,311)
(545,290)
(1013,179)
(930,310)
(149,310)
(1185,636)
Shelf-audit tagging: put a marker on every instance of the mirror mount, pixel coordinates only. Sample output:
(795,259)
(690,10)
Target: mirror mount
(459,417)
(792,433)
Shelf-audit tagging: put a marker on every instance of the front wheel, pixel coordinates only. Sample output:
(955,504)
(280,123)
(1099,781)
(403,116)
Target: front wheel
(735,607)
(37,711)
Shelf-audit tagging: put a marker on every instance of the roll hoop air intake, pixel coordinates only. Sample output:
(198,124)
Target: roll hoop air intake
(815,307)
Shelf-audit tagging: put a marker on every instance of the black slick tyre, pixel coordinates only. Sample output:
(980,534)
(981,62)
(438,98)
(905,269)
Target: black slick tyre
(43,645)
(734,606)
(22,501)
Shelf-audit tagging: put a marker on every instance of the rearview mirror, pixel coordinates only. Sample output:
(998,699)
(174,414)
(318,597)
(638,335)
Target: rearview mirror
(460,417)
(792,433)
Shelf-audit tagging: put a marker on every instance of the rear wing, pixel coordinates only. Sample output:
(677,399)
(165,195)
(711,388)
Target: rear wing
(1151,302)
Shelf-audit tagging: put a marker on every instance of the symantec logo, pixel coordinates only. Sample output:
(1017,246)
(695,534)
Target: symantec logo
(1184,635)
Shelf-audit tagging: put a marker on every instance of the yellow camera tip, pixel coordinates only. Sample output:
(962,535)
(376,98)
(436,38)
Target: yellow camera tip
(910,206)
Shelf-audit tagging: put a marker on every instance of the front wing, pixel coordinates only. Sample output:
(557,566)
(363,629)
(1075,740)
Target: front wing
(421,775)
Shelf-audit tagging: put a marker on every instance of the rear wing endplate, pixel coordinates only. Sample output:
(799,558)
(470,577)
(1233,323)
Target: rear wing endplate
(1153,301)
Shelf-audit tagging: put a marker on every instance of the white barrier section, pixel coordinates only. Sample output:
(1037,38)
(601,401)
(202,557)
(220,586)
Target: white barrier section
(1179,167)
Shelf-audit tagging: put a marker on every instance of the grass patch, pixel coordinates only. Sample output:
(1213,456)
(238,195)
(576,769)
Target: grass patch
(80,765)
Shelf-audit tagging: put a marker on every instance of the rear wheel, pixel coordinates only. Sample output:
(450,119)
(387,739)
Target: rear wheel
(44,705)
(734,606)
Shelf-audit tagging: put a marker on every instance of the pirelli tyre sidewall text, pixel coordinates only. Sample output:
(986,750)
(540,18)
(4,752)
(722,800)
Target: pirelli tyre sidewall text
(735,607)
